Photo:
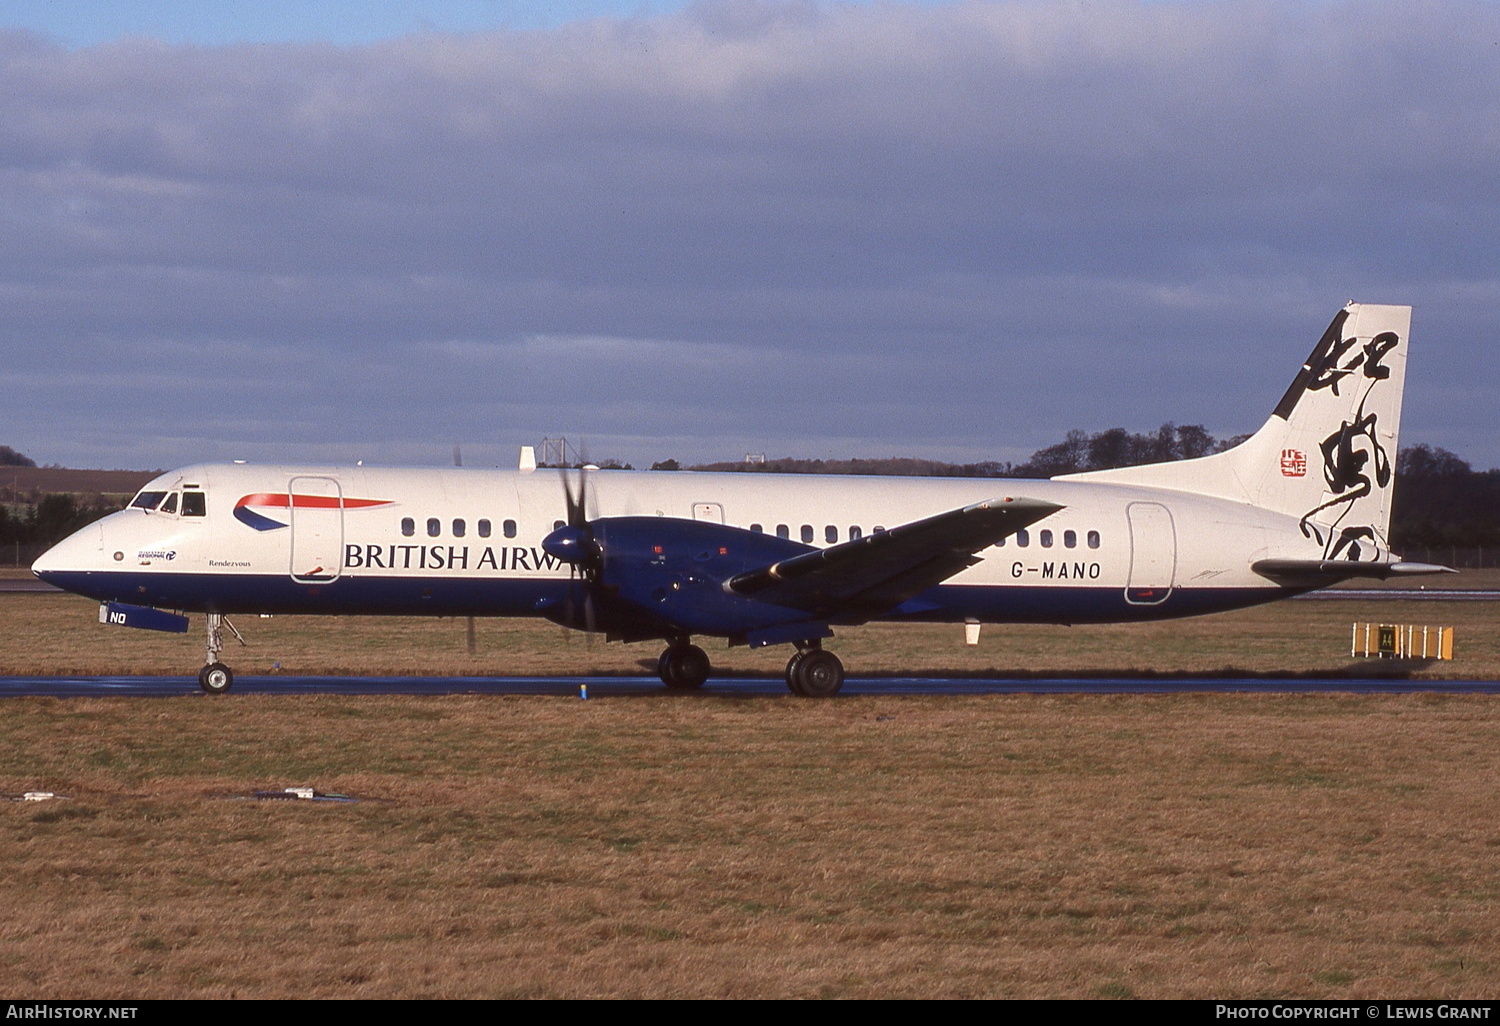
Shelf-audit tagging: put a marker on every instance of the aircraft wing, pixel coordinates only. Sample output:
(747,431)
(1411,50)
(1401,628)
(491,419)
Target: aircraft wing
(867,576)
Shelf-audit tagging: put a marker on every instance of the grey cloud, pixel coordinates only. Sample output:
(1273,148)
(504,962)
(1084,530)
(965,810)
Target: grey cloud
(957,230)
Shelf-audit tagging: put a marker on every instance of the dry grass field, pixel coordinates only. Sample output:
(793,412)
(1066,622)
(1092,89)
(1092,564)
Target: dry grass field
(1082,846)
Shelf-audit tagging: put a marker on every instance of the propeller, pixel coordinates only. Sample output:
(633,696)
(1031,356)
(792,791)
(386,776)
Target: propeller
(574,543)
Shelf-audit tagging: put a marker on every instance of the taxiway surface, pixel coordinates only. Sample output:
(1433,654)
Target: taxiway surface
(626,687)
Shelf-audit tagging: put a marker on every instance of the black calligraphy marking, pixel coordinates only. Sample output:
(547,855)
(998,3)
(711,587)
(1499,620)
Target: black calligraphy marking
(1318,358)
(1345,460)
(1323,368)
(1347,545)
(1375,351)
(1327,373)
(1343,464)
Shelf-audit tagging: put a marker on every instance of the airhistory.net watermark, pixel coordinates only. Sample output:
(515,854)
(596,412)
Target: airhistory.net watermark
(53,1010)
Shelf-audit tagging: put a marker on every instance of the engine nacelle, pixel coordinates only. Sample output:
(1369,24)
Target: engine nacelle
(673,572)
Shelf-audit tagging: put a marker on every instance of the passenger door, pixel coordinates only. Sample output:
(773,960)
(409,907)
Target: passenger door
(1153,554)
(317,510)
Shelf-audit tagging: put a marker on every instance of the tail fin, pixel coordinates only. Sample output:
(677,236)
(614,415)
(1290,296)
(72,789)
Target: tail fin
(1328,453)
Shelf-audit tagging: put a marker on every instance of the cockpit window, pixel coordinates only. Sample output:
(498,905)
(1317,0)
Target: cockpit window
(170,506)
(148,500)
(194,504)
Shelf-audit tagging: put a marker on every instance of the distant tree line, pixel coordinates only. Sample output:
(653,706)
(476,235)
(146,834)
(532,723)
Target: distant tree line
(50,519)
(10,458)
(896,466)
(1441,501)
(1079,451)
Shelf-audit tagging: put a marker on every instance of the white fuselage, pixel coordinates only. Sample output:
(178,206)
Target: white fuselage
(468,541)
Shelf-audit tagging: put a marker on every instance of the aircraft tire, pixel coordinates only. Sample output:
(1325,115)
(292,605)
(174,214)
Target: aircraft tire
(684,667)
(820,673)
(793,681)
(216,678)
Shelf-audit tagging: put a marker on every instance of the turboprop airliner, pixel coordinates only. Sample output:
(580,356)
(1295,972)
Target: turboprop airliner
(762,559)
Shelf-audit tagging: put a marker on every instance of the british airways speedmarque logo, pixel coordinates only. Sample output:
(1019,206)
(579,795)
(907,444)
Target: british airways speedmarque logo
(245,509)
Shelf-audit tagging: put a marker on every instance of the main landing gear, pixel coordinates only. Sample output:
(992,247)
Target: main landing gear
(683,667)
(215,677)
(811,672)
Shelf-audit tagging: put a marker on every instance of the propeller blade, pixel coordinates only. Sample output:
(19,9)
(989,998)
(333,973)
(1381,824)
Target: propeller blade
(574,543)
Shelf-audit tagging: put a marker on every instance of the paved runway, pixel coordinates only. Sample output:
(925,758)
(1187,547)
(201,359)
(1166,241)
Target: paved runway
(1403,594)
(624,687)
(27,584)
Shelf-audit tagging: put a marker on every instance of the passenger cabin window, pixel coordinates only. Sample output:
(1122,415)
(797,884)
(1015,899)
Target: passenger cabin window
(557,525)
(1023,539)
(510,528)
(408,526)
(1070,539)
(855,534)
(434,527)
(1045,538)
(484,528)
(782,531)
(830,534)
(148,500)
(170,506)
(459,528)
(807,534)
(1093,539)
(194,504)
(757,529)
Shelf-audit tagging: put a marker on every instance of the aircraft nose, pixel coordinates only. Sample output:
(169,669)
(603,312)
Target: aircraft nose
(78,551)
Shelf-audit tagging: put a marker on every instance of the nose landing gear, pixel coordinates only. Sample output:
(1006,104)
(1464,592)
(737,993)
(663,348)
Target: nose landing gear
(216,678)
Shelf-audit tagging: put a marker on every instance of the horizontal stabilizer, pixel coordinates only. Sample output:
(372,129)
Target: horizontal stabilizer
(1317,572)
(869,575)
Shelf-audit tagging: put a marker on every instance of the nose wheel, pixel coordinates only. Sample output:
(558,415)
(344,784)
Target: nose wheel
(216,678)
(683,667)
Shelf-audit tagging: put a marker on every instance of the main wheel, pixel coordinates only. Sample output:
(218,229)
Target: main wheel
(684,667)
(819,673)
(215,678)
(793,682)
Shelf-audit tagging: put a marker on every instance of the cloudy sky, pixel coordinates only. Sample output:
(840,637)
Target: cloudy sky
(938,229)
